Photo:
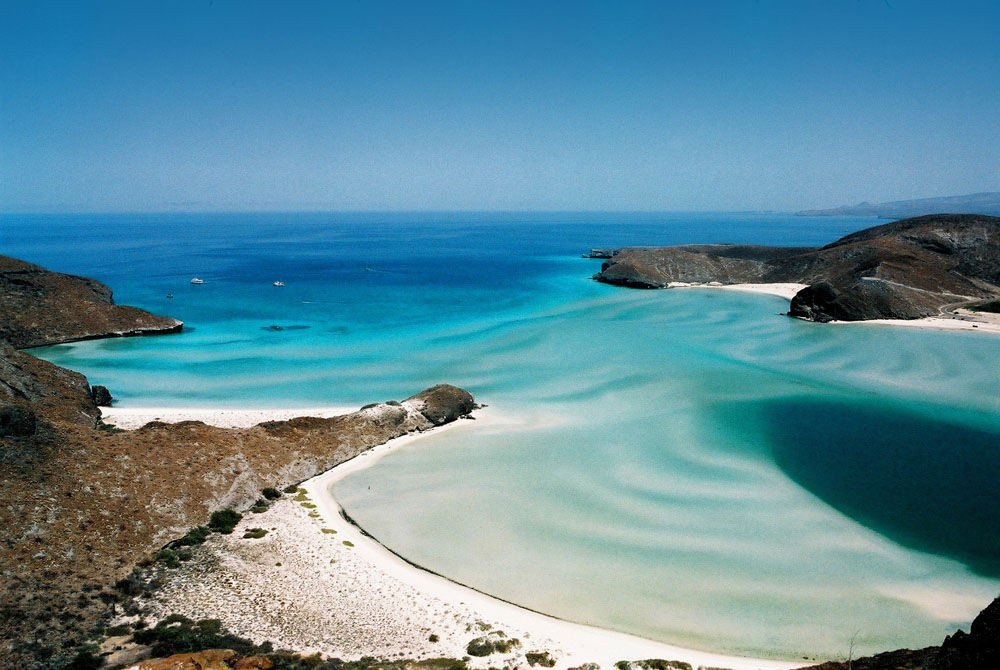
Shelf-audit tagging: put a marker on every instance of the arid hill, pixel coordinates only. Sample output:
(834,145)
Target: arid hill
(81,504)
(901,270)
(39,307)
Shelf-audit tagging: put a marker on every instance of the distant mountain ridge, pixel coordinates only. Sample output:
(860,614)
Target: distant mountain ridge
(974,203)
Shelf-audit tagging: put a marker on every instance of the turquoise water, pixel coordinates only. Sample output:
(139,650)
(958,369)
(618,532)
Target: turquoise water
(686,465)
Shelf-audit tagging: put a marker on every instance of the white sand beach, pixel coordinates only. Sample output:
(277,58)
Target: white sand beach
(317,583)
(960,319)
(130,418)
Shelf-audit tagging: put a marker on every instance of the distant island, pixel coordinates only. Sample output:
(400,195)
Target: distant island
(974,203)
(906,269)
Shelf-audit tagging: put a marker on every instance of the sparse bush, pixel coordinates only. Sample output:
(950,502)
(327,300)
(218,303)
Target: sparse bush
(496,642)
(309,505)
(254,534)
(542,658)
(168,558)
(177,634)
(224,521)
(271,493)
(329,531)
(259,507)
(433,638)
(989,306)
(196,535)
(291,488)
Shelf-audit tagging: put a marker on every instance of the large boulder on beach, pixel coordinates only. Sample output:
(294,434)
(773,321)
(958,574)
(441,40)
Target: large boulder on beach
(442,403)
(101,395)
(864,299)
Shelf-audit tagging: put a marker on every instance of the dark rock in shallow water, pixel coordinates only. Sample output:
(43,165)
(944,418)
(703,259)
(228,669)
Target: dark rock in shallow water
(16,421)
(101,395)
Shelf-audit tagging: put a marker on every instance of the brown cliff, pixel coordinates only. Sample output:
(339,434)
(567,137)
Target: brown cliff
(39,307)
(901,270)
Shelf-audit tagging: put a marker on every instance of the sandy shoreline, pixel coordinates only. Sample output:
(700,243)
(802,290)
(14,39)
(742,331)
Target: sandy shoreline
(317,583)
(961,319)
(130,418)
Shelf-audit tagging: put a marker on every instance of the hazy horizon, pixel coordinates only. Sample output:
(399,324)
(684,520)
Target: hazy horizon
(451,106)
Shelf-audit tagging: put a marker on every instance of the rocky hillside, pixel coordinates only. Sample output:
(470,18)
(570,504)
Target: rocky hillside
(979,649)
(901,270)
(82,503)
(39,307)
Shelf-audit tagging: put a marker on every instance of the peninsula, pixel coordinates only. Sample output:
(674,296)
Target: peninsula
(908,269)
(82,503)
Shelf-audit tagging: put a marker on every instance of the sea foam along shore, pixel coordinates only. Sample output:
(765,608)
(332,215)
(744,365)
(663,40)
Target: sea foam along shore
(345,595)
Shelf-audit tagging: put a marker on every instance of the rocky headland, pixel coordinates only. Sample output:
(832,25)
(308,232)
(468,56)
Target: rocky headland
(906,269)
(40,307)
(81,503)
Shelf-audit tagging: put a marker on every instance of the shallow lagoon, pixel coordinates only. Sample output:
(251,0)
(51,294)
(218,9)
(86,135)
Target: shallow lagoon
(687,465)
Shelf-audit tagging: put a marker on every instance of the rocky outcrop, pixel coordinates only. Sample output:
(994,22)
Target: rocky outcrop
(40,307)
(101,395)
(901,270)
(442,403)
(209,659)
(979,649)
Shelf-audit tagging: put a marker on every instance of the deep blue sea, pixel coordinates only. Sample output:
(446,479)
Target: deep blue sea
(687,465)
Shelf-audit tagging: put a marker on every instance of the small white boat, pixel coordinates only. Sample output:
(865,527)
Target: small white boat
(197,281)
(278,283)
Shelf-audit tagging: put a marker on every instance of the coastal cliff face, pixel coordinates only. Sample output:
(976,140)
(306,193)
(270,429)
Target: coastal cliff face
(39,307)
(901,270)
(82,503)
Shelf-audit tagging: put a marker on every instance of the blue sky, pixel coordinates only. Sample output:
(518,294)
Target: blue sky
(217,105)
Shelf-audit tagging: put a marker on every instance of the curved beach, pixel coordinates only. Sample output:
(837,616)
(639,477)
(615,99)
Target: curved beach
(404,603)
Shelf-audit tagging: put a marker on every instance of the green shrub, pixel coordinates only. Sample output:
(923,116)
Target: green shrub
(989,306)
(291,488)
(348,543)
(254,534)
(177,635)
(309,505)
(196,535)
(224,521)
(329,531)
(259,507)
(271,493)
(542,658)
(168,558)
